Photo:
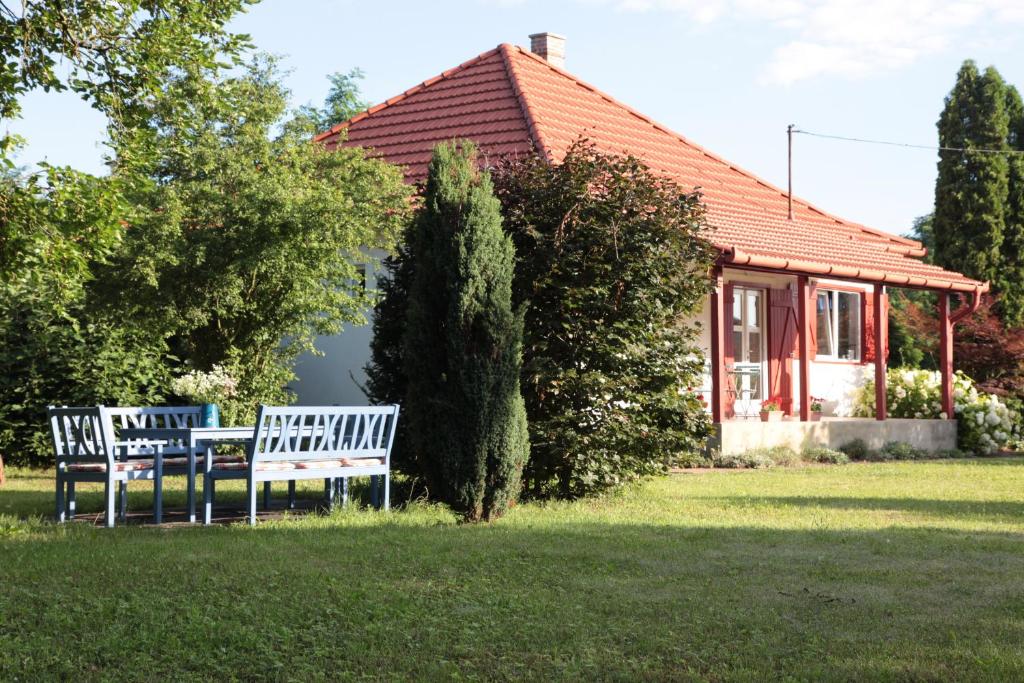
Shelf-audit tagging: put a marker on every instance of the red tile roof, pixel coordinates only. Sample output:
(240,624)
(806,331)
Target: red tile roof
(511,101)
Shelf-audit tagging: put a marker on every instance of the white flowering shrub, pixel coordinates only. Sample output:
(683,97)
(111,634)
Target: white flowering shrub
(215,386)
(985,424)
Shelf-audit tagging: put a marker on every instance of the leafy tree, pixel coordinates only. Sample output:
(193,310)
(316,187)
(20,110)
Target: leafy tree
(243,245)
(611,264)
(974,225)
(343,100)
(463,342)
(1011,282)
(114,53)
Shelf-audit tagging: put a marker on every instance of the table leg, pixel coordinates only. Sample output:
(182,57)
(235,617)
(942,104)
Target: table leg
(191,484)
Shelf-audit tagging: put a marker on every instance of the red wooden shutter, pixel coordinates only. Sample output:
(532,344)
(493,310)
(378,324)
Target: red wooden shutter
(729,354)
(782,345)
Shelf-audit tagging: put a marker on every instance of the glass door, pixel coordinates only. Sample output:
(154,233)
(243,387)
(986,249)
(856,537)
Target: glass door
(748,341)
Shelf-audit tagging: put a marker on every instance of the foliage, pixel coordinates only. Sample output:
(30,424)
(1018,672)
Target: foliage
(463,342)
(856,449)
(977,227)
(900,450)
(386,381)
(985,424)
(115,55)
(245,237)
(755,459)
(610,264)
(772,406)
(824,454)
(67,358)
(343,101)
(758,458)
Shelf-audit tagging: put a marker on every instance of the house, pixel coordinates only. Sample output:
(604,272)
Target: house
(798,304)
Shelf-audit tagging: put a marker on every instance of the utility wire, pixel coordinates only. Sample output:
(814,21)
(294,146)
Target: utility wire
(906,144)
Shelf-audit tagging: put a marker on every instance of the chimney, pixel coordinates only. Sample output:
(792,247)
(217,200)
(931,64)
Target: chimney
(550,46)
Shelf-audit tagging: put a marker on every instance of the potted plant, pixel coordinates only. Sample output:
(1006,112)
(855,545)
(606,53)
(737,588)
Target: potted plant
(771,411)
(207,389)
(816,408)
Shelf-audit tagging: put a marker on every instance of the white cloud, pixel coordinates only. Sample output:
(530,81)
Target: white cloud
(850,38)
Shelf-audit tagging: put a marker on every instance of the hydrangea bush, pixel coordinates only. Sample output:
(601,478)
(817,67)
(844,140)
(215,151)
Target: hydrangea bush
(985,424)
(214,386)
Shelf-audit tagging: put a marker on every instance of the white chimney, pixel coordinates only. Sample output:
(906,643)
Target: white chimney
(550,46)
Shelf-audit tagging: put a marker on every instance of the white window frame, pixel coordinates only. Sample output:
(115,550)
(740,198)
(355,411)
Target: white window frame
(832,329)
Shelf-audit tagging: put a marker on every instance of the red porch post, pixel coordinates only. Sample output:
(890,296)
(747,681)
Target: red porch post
(881,326)
(717,301)
(804,336)
(946,354)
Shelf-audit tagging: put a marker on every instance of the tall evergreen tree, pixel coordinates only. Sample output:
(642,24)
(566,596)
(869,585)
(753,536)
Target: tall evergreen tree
(972,189)
(463,342)
(1012,282)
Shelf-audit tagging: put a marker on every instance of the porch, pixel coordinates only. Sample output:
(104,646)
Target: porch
(738,435)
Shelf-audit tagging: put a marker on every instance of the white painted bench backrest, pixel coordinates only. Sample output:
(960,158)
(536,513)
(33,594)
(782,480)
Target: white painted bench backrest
(323,433)
(81,435)
(162,417)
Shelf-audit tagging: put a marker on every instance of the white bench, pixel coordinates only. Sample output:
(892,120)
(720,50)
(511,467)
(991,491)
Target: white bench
(301,442)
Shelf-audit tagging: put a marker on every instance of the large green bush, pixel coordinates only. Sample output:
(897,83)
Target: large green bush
(611,264)
(985,424)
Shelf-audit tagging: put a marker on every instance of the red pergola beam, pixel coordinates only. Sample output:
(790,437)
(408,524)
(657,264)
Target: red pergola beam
(946,354)
(717,345)
(881,326)
(804,335)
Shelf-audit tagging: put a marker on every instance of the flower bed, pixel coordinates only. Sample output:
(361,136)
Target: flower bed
(985,424)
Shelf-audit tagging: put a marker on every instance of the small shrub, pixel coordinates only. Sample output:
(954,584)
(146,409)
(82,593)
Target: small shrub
(783,456)
(758,458)
(952,453)
(691,459)
(857,449)
(826,455)
(755,459)
(900,450)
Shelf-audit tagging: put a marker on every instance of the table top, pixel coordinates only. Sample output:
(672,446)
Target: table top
(189,433)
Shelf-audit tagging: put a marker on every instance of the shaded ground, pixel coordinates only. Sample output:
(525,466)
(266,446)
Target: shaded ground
(882,571)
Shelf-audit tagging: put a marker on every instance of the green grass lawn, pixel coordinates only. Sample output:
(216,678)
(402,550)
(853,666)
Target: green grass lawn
(880,571)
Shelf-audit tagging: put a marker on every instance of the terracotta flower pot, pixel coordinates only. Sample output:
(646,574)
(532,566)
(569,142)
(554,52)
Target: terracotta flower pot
(771,416)
(815,416)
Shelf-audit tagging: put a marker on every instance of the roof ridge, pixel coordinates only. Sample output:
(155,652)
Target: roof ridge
(668,131)
(528,115)
(337,128)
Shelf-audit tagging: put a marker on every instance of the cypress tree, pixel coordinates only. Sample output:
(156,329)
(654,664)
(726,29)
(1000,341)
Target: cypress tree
(1012,282)
(463,342)
(972,190)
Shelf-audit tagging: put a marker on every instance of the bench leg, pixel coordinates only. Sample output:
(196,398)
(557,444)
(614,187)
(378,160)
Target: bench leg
(111,497)
(329,493)
(207,500)
(250,490)
(71,500)
(374,492)
(60,500)
(291,494)
(387,491)
(266,495)
(122,494)
(344,492)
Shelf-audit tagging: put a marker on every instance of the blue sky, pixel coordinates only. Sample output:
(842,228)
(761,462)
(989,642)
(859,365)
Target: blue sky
(727,74)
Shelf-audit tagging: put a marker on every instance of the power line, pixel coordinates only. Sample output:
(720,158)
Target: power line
(909,145)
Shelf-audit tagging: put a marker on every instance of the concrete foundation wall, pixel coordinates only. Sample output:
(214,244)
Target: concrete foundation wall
(741,435)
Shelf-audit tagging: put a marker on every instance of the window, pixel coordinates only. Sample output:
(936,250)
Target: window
(839,325)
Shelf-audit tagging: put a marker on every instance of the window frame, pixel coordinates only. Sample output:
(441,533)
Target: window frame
(833,293)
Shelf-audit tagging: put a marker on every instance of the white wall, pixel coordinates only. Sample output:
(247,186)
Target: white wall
(335,377)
